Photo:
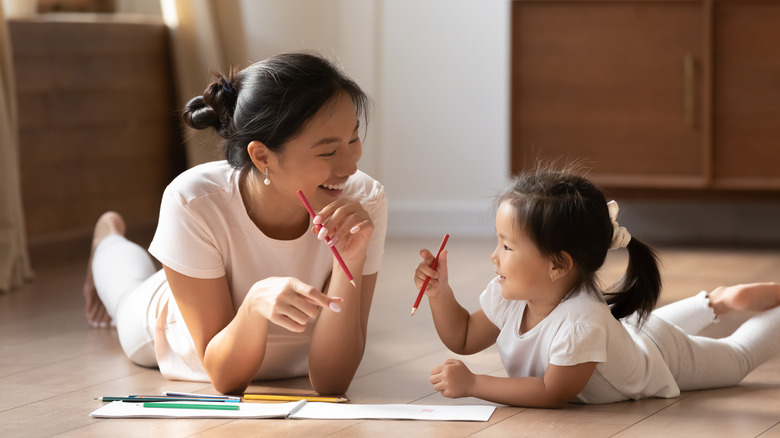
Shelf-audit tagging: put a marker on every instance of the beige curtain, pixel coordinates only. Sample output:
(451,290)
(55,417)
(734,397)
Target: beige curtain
(206,35)
(14,259)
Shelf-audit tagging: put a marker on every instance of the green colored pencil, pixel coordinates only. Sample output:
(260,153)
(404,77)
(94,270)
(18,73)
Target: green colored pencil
(221,406)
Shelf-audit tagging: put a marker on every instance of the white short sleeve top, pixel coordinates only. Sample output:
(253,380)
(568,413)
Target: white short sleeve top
(580,329)
(204,231)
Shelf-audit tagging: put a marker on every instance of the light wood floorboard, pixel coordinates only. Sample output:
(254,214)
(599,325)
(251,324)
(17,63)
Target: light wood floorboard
(52,364)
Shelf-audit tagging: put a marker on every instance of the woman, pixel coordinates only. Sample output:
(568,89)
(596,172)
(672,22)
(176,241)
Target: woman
(246,292)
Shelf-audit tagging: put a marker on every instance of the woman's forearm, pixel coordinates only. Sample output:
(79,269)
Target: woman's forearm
(339,338)
(234,355)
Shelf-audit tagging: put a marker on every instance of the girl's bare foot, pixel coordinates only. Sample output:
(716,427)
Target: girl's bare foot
(108,223)
(753,297)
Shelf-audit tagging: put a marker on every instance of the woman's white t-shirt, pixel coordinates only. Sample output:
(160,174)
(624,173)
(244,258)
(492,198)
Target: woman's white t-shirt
(580,329)
(204,231)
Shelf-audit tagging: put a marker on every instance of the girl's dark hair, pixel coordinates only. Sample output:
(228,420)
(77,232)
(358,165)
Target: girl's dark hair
(561,210)
(270,101)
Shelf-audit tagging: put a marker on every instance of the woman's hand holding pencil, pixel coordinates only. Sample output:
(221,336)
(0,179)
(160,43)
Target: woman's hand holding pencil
(342,224)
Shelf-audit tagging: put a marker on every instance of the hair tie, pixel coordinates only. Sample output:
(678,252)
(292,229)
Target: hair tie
(620,236)
(228,88)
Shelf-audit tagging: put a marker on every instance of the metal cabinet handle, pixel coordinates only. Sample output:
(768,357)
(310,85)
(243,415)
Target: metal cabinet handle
(689,92)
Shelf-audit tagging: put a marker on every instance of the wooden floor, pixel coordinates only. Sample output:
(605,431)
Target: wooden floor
(52,364)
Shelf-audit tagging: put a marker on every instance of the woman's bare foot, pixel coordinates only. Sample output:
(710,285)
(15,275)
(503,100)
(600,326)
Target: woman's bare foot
(753,297)
(108,223)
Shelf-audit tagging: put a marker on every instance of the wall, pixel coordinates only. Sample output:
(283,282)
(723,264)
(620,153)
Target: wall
(445,98)
(438,72)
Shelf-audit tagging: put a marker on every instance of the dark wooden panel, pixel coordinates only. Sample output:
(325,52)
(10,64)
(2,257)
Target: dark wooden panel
(747,94)
(104,36)
(603,81)
(98,126)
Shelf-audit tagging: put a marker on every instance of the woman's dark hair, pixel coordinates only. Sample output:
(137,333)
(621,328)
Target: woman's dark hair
(561,210)
(270,101)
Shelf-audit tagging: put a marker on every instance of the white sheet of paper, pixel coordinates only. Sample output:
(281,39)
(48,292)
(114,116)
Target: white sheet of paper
(303,410)
(344,411)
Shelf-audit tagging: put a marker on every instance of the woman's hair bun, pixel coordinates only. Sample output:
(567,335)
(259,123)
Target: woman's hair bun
(214,109)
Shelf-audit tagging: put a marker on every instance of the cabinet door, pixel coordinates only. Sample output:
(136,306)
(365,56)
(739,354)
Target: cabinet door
(746,86)
(617,84)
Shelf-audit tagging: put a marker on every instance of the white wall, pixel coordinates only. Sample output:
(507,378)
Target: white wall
(444,99)
(342,29)
(438,71)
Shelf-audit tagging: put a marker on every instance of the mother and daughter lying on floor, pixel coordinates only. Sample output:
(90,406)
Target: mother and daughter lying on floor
(249,290)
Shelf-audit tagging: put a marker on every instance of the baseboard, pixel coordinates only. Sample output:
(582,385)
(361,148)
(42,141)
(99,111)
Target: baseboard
(754,223)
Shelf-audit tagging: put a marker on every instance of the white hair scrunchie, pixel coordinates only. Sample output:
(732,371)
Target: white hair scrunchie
(620,236)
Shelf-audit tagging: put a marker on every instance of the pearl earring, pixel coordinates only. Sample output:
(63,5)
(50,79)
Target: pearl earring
(266,181)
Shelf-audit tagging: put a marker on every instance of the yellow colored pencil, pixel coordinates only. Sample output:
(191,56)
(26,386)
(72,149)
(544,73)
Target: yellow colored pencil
(270,397)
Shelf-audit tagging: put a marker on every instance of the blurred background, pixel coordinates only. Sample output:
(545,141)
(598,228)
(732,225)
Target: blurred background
(673,105)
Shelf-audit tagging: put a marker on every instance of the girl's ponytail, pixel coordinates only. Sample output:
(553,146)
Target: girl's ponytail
(640,287)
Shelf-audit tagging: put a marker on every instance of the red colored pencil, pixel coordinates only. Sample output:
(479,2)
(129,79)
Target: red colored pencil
(427,279)
(327,239)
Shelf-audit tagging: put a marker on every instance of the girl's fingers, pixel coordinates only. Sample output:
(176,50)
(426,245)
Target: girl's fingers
(426,255)
(442,263)
(425,266)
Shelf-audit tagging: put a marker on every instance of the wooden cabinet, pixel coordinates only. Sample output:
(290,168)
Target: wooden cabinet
(98,126)
(746,95)
(650,94)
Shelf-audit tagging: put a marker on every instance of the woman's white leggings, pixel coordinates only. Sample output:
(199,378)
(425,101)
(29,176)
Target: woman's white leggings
(699,362)
(128,284)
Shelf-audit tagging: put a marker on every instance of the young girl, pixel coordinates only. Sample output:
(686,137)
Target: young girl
(246,291)
(560,337)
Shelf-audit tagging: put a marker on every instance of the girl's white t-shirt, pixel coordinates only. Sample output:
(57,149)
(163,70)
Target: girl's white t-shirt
(580,329)
(204,231)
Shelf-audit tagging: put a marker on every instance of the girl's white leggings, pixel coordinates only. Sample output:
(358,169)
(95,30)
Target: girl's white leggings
(699,362)
(128,283)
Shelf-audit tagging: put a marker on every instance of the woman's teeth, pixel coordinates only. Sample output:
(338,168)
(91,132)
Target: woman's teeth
(334,186)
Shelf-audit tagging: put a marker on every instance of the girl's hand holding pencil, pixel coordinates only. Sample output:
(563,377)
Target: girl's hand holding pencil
(431,273)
